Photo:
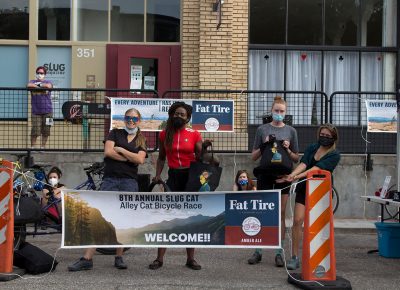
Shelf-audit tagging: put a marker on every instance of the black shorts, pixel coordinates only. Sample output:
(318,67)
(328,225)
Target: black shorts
(265,182)
(177,179)
(301,192)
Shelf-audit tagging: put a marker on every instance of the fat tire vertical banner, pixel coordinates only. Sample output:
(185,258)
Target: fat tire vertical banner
(213,219)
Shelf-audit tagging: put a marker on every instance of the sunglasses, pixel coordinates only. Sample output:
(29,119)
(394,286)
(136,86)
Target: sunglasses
(133,119)
(40,73)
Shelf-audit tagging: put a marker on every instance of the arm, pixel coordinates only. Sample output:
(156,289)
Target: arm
(197,149)
(160,163)
(111,153)
(137,158)
(47,85)
(32,85)
(235,187)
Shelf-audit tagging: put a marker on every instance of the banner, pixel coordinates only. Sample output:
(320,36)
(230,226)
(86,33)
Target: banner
(207,115)
(242,219)
(381,116)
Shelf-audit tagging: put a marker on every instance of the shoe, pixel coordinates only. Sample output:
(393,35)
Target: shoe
(192,264)
(255,259)
(293,263)
(81,264)
(119,263)
(155,265)
(279,260)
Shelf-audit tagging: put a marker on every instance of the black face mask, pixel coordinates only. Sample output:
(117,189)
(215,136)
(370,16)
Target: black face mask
(325,141)
(178,122)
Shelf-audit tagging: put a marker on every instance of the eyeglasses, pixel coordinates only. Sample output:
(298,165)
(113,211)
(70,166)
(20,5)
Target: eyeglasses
(133,119)
(40,73)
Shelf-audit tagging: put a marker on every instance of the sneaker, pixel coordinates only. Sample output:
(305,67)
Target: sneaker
(279,260)
(293,263)
(192,264)
(156,264)
(81,264)
(119,263)
(256,258)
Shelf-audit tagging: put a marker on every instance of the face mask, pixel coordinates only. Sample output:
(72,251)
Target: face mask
(243,182)
(40,77)
(325,141)
(278,117)
(53,181)
(178,122)
(131,131)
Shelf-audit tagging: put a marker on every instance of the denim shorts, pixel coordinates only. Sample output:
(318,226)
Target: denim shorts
(119,184)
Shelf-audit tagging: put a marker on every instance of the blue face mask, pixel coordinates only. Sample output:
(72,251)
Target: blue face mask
(131,131)
(243,182)
(277,117)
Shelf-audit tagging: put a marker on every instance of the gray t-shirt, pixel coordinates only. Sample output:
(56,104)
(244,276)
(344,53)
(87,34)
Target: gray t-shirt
(281,133)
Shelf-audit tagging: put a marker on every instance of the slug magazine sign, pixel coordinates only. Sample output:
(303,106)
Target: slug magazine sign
(207,115)
(218,219)
(381,116)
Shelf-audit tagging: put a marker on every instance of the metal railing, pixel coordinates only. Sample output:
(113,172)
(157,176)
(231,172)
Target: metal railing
(82,118)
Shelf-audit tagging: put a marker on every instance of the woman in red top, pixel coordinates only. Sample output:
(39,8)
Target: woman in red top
(180,146)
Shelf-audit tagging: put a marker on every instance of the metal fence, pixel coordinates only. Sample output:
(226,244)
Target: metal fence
(82,118)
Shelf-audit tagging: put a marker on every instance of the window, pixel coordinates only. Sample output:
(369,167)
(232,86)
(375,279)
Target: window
(91,20)
(267,22)
(127,20)
(341,22)
(14,104)
(163,21)
(305,22)
(54,19)
(14,19)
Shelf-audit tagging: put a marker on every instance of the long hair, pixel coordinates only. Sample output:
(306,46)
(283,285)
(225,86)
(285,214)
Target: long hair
(278,100)
(169,129)
(334,132)
(140,139)
(250,185)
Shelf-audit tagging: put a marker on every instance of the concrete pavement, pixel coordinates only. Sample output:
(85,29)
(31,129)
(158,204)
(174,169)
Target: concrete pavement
(222,268)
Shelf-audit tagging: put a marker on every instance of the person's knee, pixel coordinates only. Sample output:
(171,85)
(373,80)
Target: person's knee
(298,221)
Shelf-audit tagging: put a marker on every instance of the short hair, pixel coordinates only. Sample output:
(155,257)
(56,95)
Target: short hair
(42,68)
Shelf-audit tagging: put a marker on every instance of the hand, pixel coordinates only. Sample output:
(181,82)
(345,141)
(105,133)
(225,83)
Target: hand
(156,178)
(118,149)
(286,144)
(285,178)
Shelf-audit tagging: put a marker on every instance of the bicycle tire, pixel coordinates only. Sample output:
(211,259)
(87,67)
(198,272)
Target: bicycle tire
(335,200)
(109,251)
(159,182)
(19,235)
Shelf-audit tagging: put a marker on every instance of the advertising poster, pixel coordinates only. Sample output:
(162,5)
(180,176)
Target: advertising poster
(136,77)
(207,116)
(381,116)
(215,219)
(57,61)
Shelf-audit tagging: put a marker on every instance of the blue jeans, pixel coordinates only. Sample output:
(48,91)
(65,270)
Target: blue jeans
(119,184)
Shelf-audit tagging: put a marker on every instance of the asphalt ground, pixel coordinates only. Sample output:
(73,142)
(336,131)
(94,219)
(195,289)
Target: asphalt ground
(222,268)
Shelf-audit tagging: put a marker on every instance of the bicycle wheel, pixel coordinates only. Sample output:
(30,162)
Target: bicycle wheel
(335,200)
(19,235)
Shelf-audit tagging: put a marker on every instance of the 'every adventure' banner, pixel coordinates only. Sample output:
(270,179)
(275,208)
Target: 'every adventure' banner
(217,219)
(207,115)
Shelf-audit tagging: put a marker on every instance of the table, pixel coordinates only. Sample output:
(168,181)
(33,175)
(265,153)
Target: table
(384,202)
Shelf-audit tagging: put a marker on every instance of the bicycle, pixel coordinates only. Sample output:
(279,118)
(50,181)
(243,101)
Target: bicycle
(26,182)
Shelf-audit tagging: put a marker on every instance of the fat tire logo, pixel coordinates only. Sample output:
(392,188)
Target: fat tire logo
(251,226)
(75,111)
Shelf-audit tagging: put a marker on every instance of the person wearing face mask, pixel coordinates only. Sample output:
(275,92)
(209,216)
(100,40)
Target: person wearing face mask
(266,179)
(42,108)
(54,187)
(243,181)
(124,150)
(180,146)
(321,155)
